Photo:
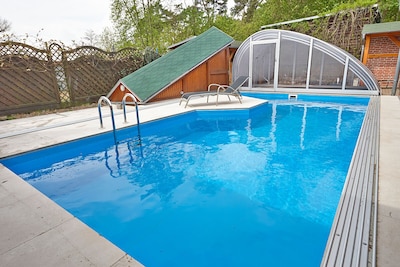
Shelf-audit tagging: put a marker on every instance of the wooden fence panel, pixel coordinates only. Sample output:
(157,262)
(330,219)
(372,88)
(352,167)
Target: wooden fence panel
(27,79)
(33,79)
(91,72)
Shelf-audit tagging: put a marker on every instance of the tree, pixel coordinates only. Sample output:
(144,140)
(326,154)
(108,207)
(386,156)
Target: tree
(4,25)
(390,10)
(147,23)
(142,23)
(237,29)
(211,9)
(189,21)
(245,9)
(107,40)
(273,11)
(90,38)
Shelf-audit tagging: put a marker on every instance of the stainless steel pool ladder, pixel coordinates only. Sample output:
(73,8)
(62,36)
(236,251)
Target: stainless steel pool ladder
(108,102)
(137,113)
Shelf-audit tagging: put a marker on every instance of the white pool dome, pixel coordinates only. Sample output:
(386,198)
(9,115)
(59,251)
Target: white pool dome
(286,61)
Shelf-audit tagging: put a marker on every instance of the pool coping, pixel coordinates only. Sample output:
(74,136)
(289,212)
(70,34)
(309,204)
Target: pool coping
(352,238)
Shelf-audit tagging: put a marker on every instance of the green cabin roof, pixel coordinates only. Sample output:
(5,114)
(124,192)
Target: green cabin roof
(381,28)
(152,78)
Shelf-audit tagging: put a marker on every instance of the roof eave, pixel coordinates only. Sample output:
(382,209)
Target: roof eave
(120,82)
(114,88)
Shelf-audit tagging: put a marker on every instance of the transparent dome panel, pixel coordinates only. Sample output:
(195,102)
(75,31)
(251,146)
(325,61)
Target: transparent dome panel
(353,81)
(241,64)
(284,61)
(293,64)
(326,72)
(263,69)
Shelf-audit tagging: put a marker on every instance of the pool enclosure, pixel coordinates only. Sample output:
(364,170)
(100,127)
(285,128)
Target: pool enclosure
(286,61)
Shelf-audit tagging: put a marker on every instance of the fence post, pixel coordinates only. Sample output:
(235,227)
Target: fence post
(64,92)
(396,75)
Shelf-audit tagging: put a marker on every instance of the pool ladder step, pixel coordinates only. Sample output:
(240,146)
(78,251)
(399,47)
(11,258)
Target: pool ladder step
(108,102)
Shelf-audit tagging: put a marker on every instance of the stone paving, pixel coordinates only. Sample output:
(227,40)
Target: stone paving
(388,237)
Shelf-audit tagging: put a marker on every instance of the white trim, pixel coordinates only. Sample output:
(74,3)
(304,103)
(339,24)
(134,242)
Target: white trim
(277,57)
(117,85)
(250,81)
(346,68)
(310,53)
(294,90)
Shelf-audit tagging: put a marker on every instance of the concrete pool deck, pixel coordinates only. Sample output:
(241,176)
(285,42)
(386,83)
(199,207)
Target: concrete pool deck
(36,231)
(388,223)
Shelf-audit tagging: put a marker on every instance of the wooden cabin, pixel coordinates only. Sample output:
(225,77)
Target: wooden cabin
(191,66)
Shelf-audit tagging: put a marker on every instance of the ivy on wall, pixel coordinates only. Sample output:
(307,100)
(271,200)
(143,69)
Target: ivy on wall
(343,29)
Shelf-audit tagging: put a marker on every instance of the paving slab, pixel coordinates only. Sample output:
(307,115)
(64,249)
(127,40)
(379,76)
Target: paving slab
(388,225)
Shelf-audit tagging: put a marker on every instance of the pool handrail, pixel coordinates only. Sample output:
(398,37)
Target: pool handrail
(108,102)
(137,113)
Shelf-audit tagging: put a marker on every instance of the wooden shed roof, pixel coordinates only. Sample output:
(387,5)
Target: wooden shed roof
(154,77)
(378,28)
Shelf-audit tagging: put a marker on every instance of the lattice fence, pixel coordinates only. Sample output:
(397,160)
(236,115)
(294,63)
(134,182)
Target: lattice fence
(34,79)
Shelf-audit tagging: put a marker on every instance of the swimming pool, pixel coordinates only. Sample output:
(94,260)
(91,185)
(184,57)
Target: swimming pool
(257,187)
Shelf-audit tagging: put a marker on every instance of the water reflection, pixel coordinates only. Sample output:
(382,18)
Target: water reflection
(303,127)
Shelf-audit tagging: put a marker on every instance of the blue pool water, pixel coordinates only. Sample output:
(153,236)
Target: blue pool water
(254,187)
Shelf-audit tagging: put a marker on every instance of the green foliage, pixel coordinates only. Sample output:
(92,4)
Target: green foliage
(235,28)
(351,5)
(390,10)
(245,9)
(149,24)
(188,22)
(142,23)
(274,11)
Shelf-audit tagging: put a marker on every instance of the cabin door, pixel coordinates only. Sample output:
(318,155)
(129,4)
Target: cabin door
(263,64)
